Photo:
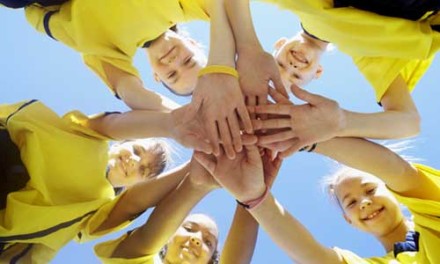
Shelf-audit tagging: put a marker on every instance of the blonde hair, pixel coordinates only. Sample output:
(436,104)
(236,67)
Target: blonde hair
(329,182)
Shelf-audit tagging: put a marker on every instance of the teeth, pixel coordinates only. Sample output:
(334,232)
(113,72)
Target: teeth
(371,216)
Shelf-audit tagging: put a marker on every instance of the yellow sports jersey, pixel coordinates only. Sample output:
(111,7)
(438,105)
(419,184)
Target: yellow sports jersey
(66,163)
(381,46)
(111,30)
(105,250)
(426,216)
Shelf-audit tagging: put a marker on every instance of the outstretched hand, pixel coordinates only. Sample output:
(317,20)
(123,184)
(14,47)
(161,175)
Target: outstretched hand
(218,100)
(242,177)
(258,71)
(188,131)
(318,120)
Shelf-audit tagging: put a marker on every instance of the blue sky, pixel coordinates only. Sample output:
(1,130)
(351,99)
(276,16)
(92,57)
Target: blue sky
(34,66)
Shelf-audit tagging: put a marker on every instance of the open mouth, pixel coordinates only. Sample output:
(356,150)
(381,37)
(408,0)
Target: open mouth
(373,215)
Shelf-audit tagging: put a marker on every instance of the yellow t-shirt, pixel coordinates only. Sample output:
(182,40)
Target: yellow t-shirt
(426,215)
(66,163)
(111,30)
(104,251)
(381,46)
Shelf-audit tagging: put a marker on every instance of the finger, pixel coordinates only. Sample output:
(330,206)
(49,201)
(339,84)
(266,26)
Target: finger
(212,132)
(195,104)
(226,140)
(251,100)
(262,100)
(305,96)
(235,132)
(253,154)
(271,123)
(279,86)
(278,109)
(200,145)
(288,152)
(278,97)
(206,162)
(248,139)
(286,135)
(245,119)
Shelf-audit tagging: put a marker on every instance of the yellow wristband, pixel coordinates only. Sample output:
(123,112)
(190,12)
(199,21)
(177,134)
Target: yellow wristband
(218,69)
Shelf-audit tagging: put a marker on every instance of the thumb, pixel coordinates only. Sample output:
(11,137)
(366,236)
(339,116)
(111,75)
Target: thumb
(198,144)
(278,83)
(204,160)
(305,95)
(253,154)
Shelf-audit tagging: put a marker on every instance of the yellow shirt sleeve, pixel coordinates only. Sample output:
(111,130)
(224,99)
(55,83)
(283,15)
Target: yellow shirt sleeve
(87,233)
(105,250)
(380,72)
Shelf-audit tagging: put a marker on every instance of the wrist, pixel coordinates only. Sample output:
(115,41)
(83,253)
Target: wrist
(253,203)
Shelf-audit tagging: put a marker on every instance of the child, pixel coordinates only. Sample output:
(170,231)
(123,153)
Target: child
(67,163)
(368,202)
(393,72)
(196,238)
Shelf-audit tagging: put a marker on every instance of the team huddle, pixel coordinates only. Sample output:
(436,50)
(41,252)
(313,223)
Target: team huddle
(63,174)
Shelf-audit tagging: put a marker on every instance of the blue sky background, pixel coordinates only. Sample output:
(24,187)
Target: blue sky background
(34,66)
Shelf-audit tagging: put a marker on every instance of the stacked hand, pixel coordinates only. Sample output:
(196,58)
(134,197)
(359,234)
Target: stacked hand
(297,126)
(219,102)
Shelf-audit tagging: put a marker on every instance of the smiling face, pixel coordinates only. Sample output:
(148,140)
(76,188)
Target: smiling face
(176,60)
(194,242)
(298,60)
(368,205)
(133,161)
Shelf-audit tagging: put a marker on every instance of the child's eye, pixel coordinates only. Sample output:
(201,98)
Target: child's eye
(351,203)
(208,243)
(371,191)
(187,60)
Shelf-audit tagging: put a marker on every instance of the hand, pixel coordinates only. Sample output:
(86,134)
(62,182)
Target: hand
(221,106)
(271,167)
(242,177)
(318,120)
(200,177)
(257,69)
(188,131)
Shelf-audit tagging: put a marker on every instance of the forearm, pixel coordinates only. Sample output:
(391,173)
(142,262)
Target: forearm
(372,158)
(240,18)
(399,119)
(242,237)
(140,98)
(390,124)
(290,235)
(134,124)
(144,195)
(131,90)
(163,222)
(222,46)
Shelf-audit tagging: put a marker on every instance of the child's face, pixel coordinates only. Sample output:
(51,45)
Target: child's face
(298,61)
(368,205)
(176,60)
(194,242)
(129,163)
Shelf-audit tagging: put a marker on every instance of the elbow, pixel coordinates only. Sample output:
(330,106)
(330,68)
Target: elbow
(413,124)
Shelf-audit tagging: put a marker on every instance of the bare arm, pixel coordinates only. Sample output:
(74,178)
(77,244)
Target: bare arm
(144,195)
(164,221)
(399,119)
(377,160)
(245,180)
(289,234)
(218,95)
(145,124)
(240,243)
(132,91)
